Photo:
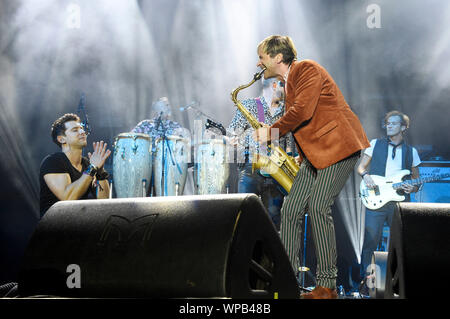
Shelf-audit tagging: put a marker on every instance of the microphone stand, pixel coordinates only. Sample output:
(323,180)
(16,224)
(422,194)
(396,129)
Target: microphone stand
(190,106)
(82,113)
(210,121)
(163,159)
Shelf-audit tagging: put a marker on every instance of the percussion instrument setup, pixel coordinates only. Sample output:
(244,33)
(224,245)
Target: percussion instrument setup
(145,166)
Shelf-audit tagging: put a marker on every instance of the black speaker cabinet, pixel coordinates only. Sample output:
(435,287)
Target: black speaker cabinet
(419,255)
(159,247)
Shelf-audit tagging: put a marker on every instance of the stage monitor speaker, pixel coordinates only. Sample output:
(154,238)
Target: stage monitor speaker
(419,258)
(158,247)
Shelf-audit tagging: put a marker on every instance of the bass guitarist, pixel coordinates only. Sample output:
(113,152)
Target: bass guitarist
(386,157)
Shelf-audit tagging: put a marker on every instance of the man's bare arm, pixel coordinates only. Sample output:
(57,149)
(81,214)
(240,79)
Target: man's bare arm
(64,189)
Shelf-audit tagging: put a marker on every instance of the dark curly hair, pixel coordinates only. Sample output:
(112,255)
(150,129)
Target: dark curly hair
(59,126)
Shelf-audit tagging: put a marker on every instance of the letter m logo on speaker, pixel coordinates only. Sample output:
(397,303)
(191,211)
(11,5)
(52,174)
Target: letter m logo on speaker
(121,230)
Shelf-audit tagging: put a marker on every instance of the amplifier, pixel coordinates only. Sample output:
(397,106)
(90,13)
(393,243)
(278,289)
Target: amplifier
(437,191)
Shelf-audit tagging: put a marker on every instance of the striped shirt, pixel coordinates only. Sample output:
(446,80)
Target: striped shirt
(240,127)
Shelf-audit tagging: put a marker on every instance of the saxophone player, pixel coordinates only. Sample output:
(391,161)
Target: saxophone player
(329,138)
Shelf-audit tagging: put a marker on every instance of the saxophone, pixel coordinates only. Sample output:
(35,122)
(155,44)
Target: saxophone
(279,165)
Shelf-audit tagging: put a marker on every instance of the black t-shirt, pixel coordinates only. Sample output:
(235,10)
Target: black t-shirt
(59,163)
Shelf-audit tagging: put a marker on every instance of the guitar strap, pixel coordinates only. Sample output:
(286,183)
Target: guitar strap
(261,116)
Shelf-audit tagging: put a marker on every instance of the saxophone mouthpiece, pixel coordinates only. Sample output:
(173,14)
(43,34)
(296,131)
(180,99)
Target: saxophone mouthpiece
(258,75)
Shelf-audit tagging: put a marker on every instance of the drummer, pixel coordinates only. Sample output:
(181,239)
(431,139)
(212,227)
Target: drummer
(160,125)
(267,108)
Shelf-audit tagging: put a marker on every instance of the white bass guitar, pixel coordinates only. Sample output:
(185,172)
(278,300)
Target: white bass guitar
(389,188)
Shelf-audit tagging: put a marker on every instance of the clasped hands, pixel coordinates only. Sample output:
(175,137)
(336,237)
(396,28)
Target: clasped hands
(99,155)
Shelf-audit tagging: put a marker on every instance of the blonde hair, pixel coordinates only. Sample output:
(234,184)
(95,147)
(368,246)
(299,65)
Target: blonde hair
(279,44)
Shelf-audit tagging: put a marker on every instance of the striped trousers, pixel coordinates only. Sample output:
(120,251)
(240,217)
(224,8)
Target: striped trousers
(314,191)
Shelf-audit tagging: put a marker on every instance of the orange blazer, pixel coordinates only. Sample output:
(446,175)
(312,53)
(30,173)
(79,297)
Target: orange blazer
(324,127)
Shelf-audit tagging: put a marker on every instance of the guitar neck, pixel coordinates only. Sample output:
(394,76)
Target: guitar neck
(421,180)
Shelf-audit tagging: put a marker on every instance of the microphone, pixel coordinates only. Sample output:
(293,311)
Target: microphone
(188,107)
(159,120)
(83,114)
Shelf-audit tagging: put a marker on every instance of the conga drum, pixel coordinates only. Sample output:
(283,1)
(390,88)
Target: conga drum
(212,167)
(172,154)
(132,164)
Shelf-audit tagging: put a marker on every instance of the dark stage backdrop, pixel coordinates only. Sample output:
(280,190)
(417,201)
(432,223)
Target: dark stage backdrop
(123,55)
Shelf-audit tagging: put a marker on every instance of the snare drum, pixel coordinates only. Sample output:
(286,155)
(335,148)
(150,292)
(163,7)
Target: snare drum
(212,167)
(170,166)
(132,164)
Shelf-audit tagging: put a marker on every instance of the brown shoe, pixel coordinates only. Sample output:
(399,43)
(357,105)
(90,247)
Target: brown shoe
(320,293)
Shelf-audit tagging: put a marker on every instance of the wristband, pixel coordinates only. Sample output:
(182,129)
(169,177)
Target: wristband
(364,174)
(91,170)
(102,174)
